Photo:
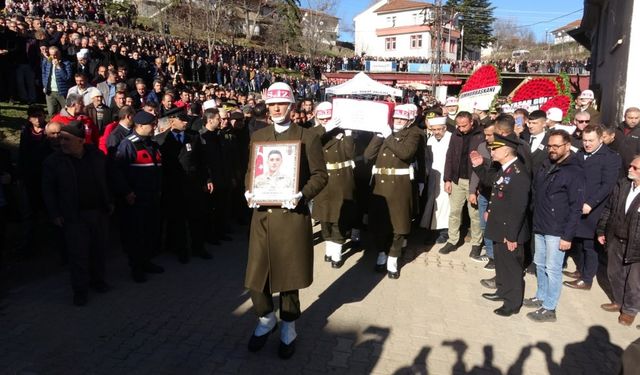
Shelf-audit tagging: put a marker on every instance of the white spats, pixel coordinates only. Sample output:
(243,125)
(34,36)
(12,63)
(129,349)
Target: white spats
(265,324)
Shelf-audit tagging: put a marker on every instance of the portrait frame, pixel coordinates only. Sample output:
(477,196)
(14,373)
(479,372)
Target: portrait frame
(273,183)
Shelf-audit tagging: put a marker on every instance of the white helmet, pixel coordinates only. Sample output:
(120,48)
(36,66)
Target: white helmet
(324,110)
(279,92)
(405,111)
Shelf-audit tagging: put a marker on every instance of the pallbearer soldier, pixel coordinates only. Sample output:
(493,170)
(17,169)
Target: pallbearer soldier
(334,206)
(138,181)
(392,202)
(506,221)
(281,240)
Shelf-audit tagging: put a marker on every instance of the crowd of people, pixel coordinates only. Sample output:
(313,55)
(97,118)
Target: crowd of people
(77,10)
(137,129)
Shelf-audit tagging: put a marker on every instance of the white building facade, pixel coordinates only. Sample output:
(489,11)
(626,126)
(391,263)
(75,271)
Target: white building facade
(401,28)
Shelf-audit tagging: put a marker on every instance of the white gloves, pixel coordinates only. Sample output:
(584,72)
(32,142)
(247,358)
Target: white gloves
(385,131)
(292,202)
(332,124)
(249,197)
(347,133)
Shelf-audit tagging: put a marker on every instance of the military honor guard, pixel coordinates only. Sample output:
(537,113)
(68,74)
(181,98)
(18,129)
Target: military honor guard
(506,219)
(334,207)
(280,256)
(391,204)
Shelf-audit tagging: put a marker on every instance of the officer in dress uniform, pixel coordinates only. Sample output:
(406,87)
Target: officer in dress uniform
(138,182)
(507,223)
(280,256)
(391,205)
(334,207)
(185,181)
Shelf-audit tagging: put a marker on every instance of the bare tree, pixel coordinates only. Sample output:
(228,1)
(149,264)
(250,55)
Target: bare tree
(510,36)
(318,25)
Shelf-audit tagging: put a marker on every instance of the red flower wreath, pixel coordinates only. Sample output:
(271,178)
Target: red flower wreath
(485,76)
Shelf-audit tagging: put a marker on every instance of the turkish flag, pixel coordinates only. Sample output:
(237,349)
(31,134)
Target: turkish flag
(258,168)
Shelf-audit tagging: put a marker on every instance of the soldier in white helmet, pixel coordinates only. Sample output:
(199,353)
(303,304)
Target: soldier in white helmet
(334,207)
(280,241)
(391,205)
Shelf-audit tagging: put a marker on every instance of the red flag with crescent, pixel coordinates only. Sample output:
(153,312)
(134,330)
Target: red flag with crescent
(259,167)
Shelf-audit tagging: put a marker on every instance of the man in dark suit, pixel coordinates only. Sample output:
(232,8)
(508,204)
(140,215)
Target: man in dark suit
(617,229)
(507,221)
(601,168)
(185,181)
(537,139)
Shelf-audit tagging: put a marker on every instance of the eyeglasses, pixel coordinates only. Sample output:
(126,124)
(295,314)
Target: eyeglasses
(555,147)
(583,121)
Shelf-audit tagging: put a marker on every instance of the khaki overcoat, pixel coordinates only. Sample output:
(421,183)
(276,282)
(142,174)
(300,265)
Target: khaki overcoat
(281,240)
(393,201)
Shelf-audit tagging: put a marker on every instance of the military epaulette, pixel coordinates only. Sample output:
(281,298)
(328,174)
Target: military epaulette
(517,170)
(133,138)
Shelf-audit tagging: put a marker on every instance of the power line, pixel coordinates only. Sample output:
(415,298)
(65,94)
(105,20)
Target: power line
(551,20)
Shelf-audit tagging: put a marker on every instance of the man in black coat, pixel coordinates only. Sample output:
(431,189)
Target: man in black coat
(76,196)
(537,138)
(184,184)
(507,223)
(617,229)
(629,134)
(601,168)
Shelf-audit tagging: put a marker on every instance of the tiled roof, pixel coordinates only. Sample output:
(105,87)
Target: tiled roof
(396,5)
(570,26)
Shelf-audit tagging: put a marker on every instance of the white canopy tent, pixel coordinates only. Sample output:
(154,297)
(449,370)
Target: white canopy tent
(362,84)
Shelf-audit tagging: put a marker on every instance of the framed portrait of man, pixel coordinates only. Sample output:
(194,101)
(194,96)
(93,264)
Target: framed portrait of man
(276,167)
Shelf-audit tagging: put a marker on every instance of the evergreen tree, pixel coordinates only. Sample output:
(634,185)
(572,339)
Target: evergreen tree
(477,18)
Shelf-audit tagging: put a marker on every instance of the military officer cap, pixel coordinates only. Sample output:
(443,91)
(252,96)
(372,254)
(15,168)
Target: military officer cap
(144,118)
(502,141)
(173,112)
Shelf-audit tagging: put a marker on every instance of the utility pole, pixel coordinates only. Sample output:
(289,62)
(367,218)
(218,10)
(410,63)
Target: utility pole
(436,68)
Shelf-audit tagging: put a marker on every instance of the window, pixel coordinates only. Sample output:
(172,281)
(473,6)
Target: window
(391,21)
(416,41)
(390,44)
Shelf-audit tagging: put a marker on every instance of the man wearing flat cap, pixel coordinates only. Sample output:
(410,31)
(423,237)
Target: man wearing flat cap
(75,193)
(137,181)
(185,179)
(506,221)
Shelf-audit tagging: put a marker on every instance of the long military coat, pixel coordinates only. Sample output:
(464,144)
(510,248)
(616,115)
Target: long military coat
(281,240)
(335,202)
(392,200)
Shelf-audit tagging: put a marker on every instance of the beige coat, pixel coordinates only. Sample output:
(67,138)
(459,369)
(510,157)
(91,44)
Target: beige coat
(281,240)
(335,202)
(392,200)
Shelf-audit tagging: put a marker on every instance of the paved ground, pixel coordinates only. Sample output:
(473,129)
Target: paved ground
(196,319)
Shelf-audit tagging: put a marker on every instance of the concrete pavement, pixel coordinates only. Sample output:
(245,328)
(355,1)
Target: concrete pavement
(196,319)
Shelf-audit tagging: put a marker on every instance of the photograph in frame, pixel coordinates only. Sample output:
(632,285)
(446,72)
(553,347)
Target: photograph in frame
(276,167)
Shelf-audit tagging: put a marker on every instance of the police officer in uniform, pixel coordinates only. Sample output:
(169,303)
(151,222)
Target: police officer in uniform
(334,207)
(280,256)
(507,223)
(185,183)
(391,205)
(138,182)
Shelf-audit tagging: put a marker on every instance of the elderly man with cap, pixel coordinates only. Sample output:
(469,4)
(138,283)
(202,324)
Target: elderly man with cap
(481,109)
(506,218)
(137,182)
(185,181)
(334,207)
(75,193)
(451,110)
(391,205)
(97,111)
(554,121)
(586,103)
(280,256)
(436,212)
